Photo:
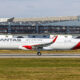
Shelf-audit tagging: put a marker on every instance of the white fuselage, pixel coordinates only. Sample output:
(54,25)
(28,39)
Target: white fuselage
(61,43)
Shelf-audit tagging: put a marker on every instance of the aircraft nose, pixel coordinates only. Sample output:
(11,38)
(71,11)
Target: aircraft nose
(77,46)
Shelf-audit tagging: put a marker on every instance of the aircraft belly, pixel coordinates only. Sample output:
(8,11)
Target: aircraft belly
(60,46)
(63,46)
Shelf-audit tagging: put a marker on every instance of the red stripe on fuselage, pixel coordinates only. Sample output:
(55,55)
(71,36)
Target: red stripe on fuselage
(77,46)
(55,39)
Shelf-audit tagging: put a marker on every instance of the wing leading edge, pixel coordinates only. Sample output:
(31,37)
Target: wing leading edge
(39,45)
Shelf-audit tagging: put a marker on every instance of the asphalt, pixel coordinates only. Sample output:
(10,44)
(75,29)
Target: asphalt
(6,55)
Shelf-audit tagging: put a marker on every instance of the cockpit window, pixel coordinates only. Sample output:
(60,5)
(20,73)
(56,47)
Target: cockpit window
(66,36)
(20,37)
(78,37)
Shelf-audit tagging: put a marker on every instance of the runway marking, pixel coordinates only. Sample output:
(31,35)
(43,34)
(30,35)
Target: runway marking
(6,55)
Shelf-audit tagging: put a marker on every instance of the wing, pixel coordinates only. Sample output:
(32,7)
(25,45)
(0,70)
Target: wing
(30,47)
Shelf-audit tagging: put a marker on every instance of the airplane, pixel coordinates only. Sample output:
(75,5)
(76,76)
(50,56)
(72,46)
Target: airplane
(54,43)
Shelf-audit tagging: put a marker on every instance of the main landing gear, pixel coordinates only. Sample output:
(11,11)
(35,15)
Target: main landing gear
(39,53)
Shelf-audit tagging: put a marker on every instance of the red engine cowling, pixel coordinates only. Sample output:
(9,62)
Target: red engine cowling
(28,47)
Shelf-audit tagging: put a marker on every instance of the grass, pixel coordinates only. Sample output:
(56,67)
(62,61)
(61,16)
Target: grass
(55,51)
(40,69)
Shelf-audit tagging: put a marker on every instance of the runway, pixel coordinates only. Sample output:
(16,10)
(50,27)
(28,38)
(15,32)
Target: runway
(6,55)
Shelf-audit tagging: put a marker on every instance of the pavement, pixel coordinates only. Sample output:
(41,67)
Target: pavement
(6,55)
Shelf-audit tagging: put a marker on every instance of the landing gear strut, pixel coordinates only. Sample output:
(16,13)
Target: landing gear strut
(39,53)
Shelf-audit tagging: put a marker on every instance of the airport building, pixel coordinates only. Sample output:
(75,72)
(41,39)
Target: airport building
(48,25)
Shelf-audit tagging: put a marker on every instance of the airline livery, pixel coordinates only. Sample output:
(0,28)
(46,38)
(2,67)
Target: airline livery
(55,43)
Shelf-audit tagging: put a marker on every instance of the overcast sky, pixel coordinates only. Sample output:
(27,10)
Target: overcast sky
(39,8)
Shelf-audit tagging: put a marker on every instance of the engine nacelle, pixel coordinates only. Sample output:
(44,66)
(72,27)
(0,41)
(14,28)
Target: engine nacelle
(23,48)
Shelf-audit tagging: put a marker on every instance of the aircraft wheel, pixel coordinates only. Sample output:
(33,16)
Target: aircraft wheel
(38,53)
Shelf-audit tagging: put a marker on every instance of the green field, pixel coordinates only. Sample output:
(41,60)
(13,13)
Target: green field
(40,69)
(55,51)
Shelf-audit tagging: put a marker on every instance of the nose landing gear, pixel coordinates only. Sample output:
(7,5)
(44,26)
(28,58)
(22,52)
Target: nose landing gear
(39,53)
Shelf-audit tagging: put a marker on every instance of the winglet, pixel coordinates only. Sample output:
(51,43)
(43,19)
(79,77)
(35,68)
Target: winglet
(55,39)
